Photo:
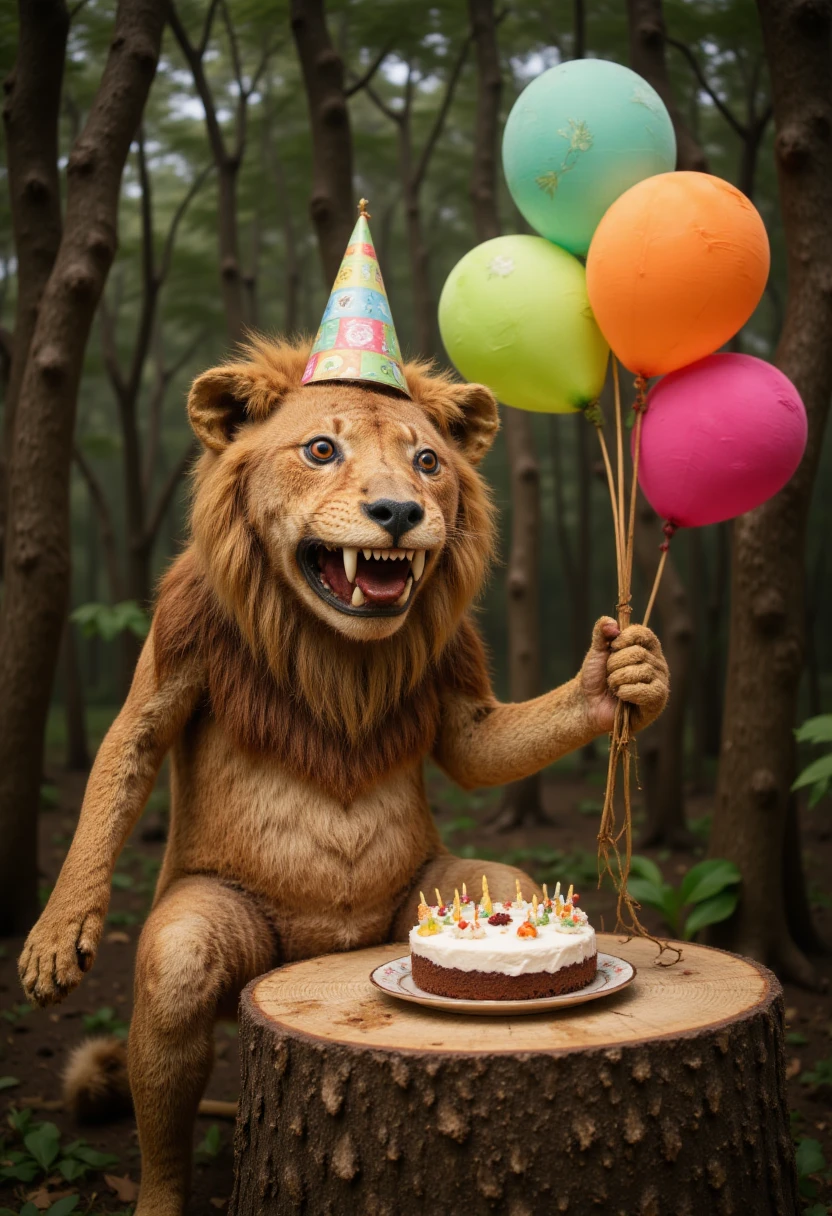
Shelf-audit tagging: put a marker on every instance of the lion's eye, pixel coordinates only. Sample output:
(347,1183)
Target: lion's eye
(427,461)
(321,450)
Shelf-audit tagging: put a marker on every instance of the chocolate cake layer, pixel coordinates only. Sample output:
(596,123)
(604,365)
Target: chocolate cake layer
(492,986)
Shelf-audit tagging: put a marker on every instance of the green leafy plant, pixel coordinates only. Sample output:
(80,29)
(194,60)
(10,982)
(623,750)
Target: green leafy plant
(61,1207)
(810,1162)
(211,1142)
(107,621)
(8,1082)
(105,1021)
(817,775)
(710,890)
(821,1074)
(36,1151)
(21,1010)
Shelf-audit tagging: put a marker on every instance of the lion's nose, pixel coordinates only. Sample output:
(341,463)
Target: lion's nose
(396,517)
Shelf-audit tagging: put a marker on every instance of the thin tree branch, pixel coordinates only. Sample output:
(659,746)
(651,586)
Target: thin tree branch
(442,113)
(386,110)
(105,523)
(362,81)
(166,494)
(109,348)
(194,57)
(724,109)
(178,216)
(206,29)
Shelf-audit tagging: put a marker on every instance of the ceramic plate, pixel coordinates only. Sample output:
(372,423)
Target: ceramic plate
(395,979)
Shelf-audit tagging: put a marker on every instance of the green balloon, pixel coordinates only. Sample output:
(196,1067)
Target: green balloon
(576,138)
(514,315)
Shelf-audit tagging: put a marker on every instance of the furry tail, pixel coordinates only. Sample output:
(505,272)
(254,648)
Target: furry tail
(96,1088)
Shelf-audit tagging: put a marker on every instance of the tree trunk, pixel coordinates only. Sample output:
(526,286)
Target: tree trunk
(424,308)
(37,558)
(757,764)
(228,228)
(661,748)
(77,749)
(647,57)
(331,205)
(522,801)
(353,1102)
(30,115)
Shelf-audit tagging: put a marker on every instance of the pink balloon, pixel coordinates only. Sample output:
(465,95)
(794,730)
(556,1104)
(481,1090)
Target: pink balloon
(719,438)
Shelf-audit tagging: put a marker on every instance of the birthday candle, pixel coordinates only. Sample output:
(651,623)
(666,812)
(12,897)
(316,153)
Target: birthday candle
(464,894)
(545,893)
(534,907)
(519,892)
(486,897)
(457,912)
(438,897)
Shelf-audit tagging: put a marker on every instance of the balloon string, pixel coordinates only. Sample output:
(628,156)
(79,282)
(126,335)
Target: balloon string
(669,529)
(609,835)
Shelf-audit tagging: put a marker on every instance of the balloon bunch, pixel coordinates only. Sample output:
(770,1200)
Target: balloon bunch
(675,265)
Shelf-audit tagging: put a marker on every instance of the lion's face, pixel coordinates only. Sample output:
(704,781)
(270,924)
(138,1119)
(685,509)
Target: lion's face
(354,495)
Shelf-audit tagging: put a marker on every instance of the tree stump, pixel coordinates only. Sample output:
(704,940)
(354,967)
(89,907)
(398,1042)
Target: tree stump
(668,1099)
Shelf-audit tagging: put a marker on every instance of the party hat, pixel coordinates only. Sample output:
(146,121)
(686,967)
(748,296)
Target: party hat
(357,339)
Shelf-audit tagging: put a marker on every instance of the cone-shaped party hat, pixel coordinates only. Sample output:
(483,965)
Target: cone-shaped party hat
(357,339)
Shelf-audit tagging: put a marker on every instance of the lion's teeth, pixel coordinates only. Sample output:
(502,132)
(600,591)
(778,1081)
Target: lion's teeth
(409,554)
(368,553)
(357,597)
(377,554)
(417,564)
(350,563)
(405,595)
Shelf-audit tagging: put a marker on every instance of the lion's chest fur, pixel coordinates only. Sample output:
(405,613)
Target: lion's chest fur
(330,874)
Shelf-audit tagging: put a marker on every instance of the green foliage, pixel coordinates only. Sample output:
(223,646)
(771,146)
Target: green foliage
(8,1082)
(106,1021)
(821,1074)
(108,621)
(17,1011)
(817,775)
(810,1162)
(211,1142)
(710,889)
(34,1151)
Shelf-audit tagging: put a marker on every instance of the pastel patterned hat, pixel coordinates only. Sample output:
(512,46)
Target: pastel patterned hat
(356,339)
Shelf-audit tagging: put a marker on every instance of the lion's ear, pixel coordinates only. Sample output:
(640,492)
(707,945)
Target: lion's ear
(216,407)
(475,421)
(223,399)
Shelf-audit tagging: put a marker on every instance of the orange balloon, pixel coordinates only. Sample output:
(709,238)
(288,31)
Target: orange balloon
(677,265)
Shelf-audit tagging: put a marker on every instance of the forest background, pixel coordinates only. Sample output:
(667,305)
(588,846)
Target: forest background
(175,175)
(231,177)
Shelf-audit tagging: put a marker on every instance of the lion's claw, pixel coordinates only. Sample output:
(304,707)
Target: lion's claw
(57,953)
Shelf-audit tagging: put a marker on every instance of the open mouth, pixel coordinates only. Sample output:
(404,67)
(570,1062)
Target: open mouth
(362,582)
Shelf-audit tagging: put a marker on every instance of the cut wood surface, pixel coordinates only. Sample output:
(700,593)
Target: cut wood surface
(666,1098)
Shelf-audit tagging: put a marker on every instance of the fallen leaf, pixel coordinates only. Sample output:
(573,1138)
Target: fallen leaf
(44,1199)
(117,937)
(793,1068)
(125,1188)
(218,1203)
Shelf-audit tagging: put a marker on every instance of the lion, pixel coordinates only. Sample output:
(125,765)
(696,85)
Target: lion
(310,647)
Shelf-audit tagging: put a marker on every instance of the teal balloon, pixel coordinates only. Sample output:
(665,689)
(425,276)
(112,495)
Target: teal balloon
(579,136)
(514,315)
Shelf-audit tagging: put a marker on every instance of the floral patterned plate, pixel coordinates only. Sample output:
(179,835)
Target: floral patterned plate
(395,979)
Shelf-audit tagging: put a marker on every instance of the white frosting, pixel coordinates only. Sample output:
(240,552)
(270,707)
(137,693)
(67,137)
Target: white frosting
(501,950)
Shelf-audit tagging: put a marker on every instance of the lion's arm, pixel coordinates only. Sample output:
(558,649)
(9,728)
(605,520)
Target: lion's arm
(482,742)
(126,768)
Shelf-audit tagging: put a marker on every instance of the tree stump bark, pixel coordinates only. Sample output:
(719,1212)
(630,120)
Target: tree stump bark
(667,1099)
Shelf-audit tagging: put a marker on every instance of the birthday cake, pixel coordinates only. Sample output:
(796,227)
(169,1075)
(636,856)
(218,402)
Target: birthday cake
(514,950)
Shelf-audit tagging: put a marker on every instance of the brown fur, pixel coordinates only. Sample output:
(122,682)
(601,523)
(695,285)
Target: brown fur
(95,1085)
(299,820)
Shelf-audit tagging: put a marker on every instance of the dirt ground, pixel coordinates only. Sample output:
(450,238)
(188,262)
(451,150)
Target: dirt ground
(34,1044)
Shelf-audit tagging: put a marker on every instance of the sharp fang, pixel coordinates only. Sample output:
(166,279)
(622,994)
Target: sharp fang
(417,564)
(357,597)
(368,553)
(405,595)
(350,563)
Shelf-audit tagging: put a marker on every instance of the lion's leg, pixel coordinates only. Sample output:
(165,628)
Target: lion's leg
(448,873)
(201,944)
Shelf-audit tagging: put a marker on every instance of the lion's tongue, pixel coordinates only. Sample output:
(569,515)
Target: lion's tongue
(382,582)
